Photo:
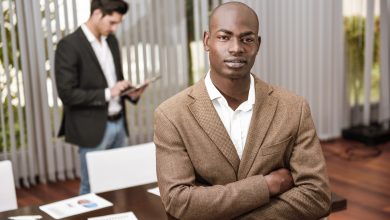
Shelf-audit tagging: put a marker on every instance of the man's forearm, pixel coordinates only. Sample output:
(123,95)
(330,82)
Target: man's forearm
(216,202)
(298,203)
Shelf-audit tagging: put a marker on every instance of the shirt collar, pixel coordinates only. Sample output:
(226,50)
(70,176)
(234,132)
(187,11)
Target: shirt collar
(211,89)
(246,106)
(215,94)
(91,38)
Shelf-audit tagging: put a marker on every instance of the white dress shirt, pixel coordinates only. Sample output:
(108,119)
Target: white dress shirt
(106,61)
(236,122)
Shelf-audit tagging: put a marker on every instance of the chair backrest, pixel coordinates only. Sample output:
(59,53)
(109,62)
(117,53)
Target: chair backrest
(122,167)
(7,187)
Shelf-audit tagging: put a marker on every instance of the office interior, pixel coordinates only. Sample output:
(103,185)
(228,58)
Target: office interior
(333,53)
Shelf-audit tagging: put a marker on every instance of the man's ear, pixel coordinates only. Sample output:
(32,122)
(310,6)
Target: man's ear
(259,39)
(206,36)
(97,13)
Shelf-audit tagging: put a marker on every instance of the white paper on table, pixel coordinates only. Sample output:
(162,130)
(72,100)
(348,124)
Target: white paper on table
(154,191)
(76,205)
(119,216)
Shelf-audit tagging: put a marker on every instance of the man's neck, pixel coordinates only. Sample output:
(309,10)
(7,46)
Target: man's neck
(93,30)
(235,91)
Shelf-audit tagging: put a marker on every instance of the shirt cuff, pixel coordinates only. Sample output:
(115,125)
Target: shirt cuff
(107,94)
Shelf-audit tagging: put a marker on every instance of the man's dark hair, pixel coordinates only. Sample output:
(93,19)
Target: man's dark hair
(109,6)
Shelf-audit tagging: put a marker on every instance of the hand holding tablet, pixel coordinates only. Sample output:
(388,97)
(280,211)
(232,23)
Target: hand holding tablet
(136,88)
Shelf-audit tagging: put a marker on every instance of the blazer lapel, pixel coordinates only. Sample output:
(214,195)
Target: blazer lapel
(263,113)
(207,117)
(116,56)
(87,46)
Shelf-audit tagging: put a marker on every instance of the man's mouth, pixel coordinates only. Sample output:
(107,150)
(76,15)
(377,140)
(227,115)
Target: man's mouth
(235,63)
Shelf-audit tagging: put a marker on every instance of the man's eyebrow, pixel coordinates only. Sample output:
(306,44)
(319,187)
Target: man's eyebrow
(247,33)
(225,31)
(231,33)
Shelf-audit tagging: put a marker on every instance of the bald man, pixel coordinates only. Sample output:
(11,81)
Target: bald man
(233,146)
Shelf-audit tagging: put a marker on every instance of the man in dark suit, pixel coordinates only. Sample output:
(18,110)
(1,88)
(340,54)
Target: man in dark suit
(90,80)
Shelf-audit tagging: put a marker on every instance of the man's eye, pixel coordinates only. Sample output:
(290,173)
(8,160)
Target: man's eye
(223,37)
(248,40)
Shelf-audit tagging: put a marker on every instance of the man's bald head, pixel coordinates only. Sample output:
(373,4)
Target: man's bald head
(232,42)
(223,10)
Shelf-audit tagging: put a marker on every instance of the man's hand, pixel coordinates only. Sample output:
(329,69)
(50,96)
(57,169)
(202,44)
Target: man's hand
(279,181)
(119,87)
(138,92)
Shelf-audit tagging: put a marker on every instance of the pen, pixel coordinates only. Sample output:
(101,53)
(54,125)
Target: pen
(25,217)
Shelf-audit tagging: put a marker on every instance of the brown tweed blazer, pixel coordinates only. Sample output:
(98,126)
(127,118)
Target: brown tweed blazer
(200,175)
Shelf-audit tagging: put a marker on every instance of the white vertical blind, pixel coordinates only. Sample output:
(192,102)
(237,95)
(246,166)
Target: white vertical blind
(368,56)
(154,41)
(384,104)
(305,41)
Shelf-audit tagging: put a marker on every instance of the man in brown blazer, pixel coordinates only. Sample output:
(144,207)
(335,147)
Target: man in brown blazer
(233,146)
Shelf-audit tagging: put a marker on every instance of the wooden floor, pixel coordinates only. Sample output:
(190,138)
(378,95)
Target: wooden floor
(356,173)
(361,177)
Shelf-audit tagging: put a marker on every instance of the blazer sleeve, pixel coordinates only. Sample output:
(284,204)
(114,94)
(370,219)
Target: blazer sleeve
(67,79)
(310,197)
(183,197)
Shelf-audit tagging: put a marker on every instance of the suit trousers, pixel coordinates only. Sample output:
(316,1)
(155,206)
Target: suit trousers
(114,137)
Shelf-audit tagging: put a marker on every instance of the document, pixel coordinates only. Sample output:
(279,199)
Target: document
(119,216)
(75,206)
(25,217)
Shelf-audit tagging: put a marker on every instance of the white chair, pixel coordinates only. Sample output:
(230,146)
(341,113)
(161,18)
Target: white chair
(122,167)
(7,188)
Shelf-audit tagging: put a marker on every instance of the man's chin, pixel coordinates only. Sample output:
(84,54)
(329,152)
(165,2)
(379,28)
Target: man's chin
(237,72)
(237,75)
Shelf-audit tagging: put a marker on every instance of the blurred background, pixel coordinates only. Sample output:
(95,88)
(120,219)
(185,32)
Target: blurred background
(335,53)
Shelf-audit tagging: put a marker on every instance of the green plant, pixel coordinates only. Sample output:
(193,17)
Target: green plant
(7,129)
(6,48)
(354,27)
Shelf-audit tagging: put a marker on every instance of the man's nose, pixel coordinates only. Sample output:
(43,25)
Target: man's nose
(236,46)
(113,28)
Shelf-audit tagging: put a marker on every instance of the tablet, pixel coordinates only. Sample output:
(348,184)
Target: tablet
(136,87)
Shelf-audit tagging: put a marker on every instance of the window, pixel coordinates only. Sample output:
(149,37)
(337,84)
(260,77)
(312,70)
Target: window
(354,26)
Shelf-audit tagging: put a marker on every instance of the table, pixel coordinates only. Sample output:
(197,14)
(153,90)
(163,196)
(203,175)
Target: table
(143,204)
